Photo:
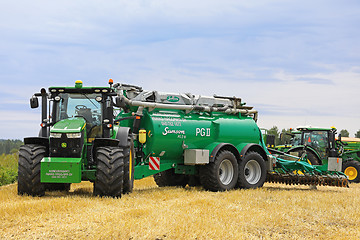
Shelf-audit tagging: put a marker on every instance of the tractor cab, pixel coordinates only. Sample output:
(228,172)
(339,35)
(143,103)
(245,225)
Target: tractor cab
(90,107)
(318,139)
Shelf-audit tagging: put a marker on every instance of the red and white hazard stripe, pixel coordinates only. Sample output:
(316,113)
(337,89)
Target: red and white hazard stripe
(154,163)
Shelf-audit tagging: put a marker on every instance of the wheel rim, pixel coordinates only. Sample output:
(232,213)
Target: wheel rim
(351,172)
(252,172)
(226,172)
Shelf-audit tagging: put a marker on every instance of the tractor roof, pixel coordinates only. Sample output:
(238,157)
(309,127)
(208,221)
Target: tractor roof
(78,88)
(309,128)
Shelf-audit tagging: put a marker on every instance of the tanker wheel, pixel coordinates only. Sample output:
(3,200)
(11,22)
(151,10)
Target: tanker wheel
(252,171)
(220,175)
(352,170)
(57,187)
(312,158)
(30,156)
(109,172)
(170,178)
(128,184)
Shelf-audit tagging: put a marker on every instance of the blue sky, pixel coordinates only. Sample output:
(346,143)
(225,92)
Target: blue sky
(296,62)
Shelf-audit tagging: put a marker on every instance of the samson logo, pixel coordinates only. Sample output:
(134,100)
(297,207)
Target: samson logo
(172,99)
(167,131)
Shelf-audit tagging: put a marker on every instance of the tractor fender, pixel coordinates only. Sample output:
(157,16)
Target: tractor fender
(310,149)
(255,148)
(122,135)
(43,141)
(222,146)
(103,142)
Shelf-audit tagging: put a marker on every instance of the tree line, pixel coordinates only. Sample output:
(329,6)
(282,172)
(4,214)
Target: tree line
(285,138)
(9,146)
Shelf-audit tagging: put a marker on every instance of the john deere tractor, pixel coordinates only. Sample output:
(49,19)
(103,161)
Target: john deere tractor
(77,141)
(319,144)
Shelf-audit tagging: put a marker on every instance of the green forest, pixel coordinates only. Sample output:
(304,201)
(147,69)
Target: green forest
(9,160)
(9,146)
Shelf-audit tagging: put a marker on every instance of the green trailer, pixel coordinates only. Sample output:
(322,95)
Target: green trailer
(352,147)
(115,134)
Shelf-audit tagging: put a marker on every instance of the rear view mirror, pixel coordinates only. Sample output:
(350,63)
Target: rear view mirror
(34,102)
(339,137)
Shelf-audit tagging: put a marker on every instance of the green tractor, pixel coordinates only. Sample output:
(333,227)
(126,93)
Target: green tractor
(78,142)
(319,144)
(115,134)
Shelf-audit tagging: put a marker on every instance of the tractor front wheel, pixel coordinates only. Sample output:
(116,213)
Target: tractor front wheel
(252,171)
(30,156)
(352,170)
(220,175)
(109,172)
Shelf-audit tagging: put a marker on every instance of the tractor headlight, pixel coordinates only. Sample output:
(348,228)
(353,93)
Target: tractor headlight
(73,135)
(55,135)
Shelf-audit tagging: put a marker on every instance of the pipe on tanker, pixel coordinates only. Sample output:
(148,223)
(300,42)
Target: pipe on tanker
(188,107)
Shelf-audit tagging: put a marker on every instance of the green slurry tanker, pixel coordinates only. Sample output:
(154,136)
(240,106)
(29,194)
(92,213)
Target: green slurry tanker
(112,135)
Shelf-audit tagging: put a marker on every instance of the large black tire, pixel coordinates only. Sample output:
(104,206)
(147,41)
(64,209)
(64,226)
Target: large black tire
(312,158)
(352,170)
(252,171)
(109,172)
(30,156)
(220,175)
(57,187)
(128,151)
(170,178)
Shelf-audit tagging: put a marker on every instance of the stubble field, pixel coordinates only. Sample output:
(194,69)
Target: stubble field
(272,212)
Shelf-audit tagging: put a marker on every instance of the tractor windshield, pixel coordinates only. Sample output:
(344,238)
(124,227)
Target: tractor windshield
(81,105)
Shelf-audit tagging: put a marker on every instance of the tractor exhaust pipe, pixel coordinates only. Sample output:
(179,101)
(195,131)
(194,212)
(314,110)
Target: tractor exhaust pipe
(44,119)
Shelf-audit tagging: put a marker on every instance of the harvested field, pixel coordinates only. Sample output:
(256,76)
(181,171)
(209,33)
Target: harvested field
(272,212)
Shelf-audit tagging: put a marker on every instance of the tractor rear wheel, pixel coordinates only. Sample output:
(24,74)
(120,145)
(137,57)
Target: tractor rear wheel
(170,178)
(252,171)
(312,158)
(30,156)
(352,170)
(109,172)
(220,175)
(128,184)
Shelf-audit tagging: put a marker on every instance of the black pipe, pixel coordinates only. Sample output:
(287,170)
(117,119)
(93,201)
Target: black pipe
(44,119)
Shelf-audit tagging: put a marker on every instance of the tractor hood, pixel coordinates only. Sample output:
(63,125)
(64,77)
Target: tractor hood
(70,125)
